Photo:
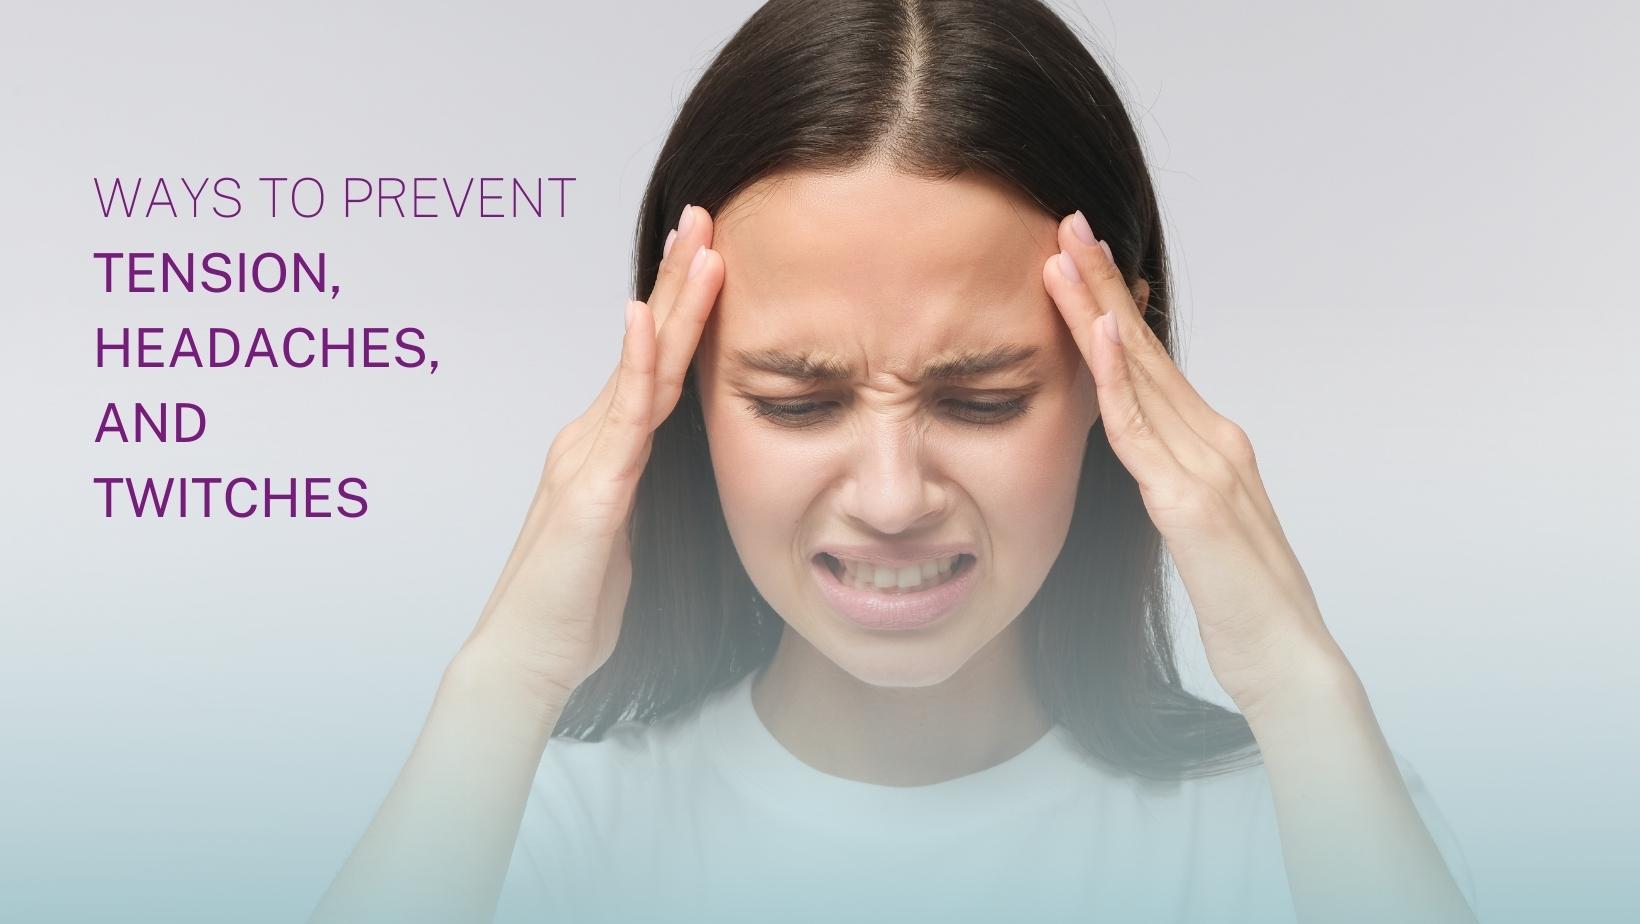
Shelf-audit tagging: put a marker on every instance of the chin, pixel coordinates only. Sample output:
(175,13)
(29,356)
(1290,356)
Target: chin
(894,662)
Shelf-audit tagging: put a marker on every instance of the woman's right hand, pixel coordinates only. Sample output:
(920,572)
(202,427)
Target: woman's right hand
(438,847)
(555,612)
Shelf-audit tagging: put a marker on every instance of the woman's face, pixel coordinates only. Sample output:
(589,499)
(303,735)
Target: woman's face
(883,276)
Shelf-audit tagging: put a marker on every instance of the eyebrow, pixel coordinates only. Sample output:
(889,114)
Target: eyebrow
(809,367)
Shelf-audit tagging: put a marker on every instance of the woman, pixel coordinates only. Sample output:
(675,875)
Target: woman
(845,599)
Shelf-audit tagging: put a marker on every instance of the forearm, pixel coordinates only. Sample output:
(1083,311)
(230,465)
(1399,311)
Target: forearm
(439,846)
(1354,845)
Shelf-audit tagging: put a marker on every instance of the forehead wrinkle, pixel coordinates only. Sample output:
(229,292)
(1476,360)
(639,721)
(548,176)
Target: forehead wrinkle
(814,366)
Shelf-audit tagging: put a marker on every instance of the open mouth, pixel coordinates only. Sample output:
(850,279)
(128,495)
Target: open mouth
(913,597)
(897,581)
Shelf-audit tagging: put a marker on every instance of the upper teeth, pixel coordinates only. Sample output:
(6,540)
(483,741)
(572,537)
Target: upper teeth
(869,575)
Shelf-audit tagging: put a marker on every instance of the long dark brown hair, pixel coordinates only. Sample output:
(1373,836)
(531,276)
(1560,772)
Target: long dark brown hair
(932,88)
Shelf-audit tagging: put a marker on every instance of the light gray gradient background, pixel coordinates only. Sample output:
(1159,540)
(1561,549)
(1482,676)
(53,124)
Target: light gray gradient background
(1403,236)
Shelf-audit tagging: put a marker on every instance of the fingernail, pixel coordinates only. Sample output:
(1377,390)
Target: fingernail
(1067,268)
(686,220)
(698,262)
(666,248)
(629,315)
(1079,225)
(1106,248)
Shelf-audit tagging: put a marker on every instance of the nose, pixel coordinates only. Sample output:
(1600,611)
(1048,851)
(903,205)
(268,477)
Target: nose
(891,487)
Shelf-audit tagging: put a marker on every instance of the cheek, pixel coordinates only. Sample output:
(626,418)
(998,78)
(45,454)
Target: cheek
(1025,487)
(765,479)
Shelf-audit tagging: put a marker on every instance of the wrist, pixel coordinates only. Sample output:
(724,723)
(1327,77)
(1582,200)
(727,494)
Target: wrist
(486,672)
(1313,689)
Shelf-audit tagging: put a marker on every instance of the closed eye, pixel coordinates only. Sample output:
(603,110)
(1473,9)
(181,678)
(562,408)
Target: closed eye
(807,413)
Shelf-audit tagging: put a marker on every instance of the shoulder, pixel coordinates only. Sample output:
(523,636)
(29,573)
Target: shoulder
(630,759)
(586,797)
(576,786)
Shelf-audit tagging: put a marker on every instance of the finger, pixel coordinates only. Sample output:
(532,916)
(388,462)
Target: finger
(680,333)
(678,338)
(616,455)
(1110,291)
(578,432)
(1104,284)
(694,229)
(673,274)
(1156,444)
(1151,403)
(1200,461)
(1075,303)
(1132,434)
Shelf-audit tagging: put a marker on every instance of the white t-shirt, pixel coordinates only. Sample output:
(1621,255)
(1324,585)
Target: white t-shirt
(707,817)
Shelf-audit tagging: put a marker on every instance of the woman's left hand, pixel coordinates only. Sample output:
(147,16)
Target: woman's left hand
(1353,843)
(1259,620)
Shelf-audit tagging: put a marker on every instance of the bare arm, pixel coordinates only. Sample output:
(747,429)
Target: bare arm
(1352,840)
(439,847)
(1354,845)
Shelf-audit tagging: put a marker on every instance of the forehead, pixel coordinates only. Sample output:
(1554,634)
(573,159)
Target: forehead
(881,271)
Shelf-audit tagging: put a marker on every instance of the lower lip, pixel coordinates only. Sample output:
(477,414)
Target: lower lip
(911,610)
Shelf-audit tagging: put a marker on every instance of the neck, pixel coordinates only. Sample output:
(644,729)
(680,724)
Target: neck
(982,715)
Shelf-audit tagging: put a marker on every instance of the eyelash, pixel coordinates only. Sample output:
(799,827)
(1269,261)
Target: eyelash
(792,412)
